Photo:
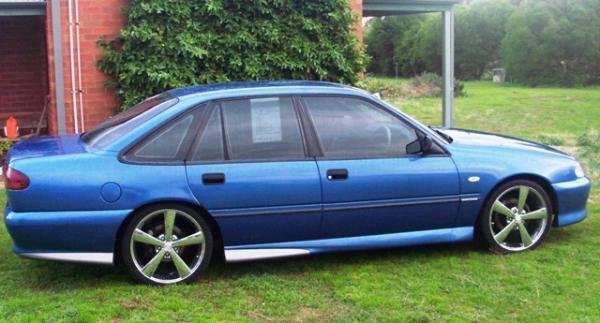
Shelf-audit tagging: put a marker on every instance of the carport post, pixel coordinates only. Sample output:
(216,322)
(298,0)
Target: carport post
(448,67)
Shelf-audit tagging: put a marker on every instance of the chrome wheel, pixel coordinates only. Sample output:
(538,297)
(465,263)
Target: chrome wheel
(167,246)
(518,218)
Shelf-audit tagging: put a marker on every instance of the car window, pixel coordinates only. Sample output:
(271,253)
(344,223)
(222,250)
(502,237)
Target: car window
(209,143)
(351,127)
(262,128)
(117,126)
(166,143)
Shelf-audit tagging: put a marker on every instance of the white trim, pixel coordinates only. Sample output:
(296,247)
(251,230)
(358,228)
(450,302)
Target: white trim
(255,254)
(85,257)
(469,199)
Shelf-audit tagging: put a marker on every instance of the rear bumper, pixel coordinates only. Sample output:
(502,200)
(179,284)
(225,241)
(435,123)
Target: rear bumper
(86,236)
(572,199)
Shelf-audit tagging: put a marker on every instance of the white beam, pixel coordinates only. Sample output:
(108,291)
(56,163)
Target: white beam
(448,67)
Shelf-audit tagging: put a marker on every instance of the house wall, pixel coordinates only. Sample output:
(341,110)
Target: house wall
(97,19)
(23,71)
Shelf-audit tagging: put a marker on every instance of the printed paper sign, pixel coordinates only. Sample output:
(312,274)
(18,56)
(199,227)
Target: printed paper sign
(266,120)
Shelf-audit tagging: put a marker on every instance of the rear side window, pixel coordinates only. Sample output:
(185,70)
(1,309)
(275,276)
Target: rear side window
(262,128)
(209,144)
(168,144)
(351,127)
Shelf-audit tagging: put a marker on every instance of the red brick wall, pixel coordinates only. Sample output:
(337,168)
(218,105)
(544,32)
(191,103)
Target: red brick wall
(23,71)
(97,18)
(357,7)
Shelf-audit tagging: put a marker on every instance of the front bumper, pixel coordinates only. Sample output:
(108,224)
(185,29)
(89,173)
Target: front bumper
(85,236)
(572,199)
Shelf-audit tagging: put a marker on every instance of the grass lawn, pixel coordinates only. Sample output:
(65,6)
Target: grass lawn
(558,282)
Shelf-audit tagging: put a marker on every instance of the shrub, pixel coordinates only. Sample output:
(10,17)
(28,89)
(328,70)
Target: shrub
(175,43)
(437,82)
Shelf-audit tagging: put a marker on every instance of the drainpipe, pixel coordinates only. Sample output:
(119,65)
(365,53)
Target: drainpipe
(80,82)
(72,61)
(58,67)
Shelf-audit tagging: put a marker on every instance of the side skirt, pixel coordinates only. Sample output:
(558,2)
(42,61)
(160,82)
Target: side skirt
(104,258)
(297,248)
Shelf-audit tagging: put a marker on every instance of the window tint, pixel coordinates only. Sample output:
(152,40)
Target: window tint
(349,127)
(262,128)
(166,143)
(117,126)
(209,144)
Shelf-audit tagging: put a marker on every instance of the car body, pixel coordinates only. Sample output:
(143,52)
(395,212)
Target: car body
(287,169)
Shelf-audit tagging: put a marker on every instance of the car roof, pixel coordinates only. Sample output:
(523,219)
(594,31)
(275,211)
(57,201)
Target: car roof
(253,85)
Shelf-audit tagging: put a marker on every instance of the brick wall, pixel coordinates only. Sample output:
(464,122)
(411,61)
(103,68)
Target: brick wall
(97,18)
(23,71)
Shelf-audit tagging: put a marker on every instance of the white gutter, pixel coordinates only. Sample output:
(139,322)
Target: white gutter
(72,61)
(80,82)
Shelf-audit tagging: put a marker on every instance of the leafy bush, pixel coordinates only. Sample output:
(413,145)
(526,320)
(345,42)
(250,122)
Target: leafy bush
(175,43)
(4,147)
(435,81)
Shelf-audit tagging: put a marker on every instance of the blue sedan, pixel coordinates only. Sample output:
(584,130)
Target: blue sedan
(274,169)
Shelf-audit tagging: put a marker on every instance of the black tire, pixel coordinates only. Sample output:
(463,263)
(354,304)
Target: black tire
(492,221)
(201,258)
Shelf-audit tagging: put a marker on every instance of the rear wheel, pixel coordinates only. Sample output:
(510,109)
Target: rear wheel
(516,217)
(167,244)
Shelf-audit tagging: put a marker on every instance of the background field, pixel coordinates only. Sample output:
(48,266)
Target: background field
(558,282)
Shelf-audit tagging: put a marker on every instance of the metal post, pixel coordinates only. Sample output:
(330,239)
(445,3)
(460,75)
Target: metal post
(448,67)
(59,79)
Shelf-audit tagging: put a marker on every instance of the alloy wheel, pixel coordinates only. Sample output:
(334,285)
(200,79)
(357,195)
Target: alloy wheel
(167,246)
(518,218)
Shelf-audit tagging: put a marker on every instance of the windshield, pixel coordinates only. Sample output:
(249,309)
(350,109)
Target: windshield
(117,126)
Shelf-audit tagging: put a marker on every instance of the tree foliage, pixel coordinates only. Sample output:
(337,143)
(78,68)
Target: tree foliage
(174,43)
(417,40)
(554,42)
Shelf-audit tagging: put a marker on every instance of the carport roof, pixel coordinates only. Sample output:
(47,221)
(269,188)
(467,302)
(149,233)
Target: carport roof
(22,7)
(375,8)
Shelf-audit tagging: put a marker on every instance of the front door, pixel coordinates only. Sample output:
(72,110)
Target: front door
(248,168)
(370,184)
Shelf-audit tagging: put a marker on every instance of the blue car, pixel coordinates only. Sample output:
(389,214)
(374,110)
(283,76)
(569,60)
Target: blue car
(274,169)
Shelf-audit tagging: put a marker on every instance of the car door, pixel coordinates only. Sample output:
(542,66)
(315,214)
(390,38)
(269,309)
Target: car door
(370,184)
(249,168)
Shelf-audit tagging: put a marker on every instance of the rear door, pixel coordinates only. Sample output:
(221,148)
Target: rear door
(249,167)
(370,184)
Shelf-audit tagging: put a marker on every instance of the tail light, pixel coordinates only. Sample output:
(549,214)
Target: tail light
(13,179)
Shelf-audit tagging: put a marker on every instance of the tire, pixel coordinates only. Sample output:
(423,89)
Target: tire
(511,208)
(152,257)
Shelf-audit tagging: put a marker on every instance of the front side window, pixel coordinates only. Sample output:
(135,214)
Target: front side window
(262,128)
(351,127)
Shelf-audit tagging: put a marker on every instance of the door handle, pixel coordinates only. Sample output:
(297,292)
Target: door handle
(337,174)
(213,178)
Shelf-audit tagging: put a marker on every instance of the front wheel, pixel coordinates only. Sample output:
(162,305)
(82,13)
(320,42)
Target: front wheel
(167,244)
(516,217)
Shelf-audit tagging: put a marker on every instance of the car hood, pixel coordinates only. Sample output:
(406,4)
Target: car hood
(46,146)
(482,139)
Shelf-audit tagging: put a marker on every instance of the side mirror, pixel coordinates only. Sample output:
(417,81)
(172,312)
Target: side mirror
(422,145)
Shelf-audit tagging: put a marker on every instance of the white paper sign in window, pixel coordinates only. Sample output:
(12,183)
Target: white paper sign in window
(266,120)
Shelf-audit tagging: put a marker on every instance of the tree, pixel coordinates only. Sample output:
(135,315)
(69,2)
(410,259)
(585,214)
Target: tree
(554,42)
(175,43)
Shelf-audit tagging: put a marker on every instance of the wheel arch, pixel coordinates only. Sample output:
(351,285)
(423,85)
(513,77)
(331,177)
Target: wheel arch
(214,226)
(540,180)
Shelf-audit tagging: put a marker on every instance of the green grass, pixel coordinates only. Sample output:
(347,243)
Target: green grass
(558,282)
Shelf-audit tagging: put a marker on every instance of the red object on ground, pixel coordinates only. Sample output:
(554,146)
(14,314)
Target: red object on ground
(11,130)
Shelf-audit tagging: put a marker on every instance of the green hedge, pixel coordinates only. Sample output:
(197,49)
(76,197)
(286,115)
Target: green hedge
(175,43)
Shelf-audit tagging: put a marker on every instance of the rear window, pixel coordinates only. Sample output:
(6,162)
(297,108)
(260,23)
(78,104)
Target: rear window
(117,126)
